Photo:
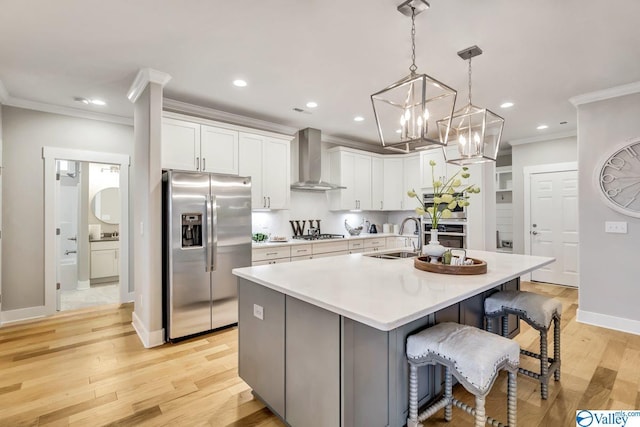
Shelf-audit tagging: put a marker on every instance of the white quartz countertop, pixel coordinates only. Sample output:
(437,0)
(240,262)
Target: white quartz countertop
(385,293)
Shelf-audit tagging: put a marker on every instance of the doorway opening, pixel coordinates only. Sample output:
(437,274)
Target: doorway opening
(86,199)
(88,221)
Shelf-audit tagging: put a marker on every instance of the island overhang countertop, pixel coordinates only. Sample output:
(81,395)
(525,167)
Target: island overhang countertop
(385,293)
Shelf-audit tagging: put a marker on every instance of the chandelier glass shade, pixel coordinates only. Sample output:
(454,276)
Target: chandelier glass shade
(474,132)
(408,111)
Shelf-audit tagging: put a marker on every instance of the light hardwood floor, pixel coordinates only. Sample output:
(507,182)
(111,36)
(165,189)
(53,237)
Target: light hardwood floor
(88,368)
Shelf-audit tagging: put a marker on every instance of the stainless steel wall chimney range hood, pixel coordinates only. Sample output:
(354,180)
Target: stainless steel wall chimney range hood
(310,163)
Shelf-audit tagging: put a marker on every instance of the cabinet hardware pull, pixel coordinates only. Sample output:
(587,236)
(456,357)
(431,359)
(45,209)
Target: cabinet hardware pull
(381,202)
(197,163)
(272,253)
(269,199)
(264,202)
(204,164)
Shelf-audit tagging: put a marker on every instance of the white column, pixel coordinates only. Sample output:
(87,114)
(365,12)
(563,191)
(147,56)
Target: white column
(146,230)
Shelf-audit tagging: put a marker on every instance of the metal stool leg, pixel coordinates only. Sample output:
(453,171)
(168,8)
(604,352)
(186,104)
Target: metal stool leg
(412,421)
(556,347)
(544,365)
(512,399)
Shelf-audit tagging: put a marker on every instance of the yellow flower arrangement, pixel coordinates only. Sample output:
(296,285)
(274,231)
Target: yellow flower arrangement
(449,193)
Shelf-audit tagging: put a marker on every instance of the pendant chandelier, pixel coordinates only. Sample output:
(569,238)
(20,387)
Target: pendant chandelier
(474,131)
(408,110)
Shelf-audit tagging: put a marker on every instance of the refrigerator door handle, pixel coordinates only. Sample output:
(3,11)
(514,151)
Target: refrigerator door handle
(214,232)
(209,237)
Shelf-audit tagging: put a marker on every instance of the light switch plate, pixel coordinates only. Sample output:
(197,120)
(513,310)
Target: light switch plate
(258,311)
(619,227)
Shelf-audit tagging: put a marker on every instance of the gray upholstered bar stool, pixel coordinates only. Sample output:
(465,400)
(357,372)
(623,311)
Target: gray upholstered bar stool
(474,357)
(538,311)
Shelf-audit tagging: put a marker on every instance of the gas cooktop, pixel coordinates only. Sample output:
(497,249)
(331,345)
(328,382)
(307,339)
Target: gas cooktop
(323,236)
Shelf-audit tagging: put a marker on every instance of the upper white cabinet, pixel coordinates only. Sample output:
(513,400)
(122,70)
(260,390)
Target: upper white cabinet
(193,146)
(352,170)
(180,145)
(378,177)
(412,180)
(393,186)
(267,161)
(439,171)
(218,150)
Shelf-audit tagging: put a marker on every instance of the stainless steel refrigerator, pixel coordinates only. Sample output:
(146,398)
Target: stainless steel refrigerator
(206,233)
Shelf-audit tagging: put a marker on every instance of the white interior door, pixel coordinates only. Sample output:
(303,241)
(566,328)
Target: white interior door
(553,226)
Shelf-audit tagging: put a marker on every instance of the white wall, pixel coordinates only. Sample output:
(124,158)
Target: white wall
(25,132)
(609,267)
(538,153)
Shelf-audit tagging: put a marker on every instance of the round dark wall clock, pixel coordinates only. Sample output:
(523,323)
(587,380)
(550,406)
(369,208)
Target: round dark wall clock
(619,179)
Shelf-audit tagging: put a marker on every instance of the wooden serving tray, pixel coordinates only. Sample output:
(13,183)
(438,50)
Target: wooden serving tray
(478,267)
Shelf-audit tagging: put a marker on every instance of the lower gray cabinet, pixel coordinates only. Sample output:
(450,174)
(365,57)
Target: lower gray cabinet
(312,349)
(261,357)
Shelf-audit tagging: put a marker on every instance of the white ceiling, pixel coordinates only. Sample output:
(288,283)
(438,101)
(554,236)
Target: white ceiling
(537,54)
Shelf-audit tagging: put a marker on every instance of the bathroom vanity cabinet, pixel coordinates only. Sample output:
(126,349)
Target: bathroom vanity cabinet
(104,259)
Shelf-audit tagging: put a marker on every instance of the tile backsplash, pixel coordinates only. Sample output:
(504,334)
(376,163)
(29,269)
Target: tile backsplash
(314,206)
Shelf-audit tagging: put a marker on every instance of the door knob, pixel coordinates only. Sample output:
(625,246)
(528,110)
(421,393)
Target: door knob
(534,232)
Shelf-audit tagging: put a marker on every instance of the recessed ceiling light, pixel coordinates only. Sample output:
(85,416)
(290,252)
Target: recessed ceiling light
(81,100)
(99,102)
(541,127)
(312,104)
(506,105)
(239,83)
(358,118)
(563,123)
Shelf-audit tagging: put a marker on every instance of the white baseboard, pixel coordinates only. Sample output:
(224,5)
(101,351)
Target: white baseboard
(83,285)
(149,339)
(11,316)
(131,296)
(611,322)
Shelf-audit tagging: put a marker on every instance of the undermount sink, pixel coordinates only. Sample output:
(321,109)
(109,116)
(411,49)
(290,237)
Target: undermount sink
(394,255)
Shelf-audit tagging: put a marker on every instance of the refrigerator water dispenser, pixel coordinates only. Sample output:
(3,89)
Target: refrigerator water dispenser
(191,230)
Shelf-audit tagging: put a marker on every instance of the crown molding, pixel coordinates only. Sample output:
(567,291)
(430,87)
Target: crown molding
(222,116)
(359,145)
(4,95)
(143,78)
(601,95)
(542,138)
(67,111)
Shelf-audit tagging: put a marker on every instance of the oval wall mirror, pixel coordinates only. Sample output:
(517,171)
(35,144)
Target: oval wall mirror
(106,205)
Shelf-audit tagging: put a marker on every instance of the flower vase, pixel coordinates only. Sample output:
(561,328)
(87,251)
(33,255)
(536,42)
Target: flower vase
(434,249)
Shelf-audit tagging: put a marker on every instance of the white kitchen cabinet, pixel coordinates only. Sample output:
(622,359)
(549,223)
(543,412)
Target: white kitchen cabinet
(271,261)
(412,180)
(378,176)
(104,259)
(401,242)
(352,170)
(439,171)
(267,161)
(394,191)
(193,146)
(180,145)
(218,150)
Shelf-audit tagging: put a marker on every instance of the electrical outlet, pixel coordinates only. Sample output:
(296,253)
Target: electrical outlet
(615,227)
(258,311)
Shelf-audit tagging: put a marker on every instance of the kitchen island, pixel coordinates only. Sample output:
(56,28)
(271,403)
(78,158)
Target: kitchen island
(322,341)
